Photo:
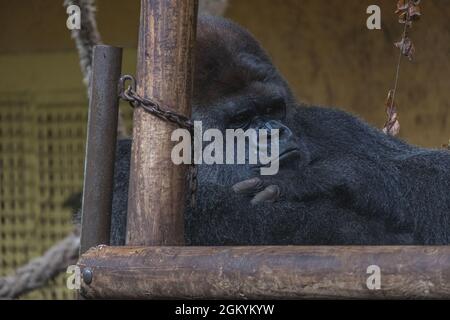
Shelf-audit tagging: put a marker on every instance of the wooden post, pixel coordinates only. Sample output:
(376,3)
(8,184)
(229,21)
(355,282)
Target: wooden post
(164,72)
(289,272)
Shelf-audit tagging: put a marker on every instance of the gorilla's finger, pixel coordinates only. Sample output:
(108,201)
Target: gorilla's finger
(248,186)
(270,194)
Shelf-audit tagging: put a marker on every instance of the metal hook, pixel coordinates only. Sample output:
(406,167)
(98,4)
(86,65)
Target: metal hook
(124,94)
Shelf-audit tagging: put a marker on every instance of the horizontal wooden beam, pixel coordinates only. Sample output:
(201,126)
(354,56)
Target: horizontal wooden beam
(265,272)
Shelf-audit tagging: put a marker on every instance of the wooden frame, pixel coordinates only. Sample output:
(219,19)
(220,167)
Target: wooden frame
(164,269)
(265,272)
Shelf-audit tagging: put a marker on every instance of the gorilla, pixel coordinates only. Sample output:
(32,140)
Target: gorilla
(341,181)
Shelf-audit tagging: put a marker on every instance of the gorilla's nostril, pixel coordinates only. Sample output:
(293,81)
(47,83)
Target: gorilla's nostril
(272,124)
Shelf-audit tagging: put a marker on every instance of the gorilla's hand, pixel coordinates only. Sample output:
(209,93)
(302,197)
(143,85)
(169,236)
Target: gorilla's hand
(268,188)
(318,180)
(258,190)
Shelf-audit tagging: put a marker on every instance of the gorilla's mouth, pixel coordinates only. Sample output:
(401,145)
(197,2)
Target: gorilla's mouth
(287,158)
(289,154)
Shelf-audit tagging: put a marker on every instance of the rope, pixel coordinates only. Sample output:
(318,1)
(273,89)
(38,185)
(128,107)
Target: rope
(85,39)
(36,273)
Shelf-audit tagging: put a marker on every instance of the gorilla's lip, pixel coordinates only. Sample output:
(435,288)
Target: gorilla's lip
(289,153)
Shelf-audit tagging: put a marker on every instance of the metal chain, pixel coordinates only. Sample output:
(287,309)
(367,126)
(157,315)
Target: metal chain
(155,108)
(151,106)
(193,183)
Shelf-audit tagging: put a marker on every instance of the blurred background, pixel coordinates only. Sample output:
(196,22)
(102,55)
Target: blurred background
(323,48)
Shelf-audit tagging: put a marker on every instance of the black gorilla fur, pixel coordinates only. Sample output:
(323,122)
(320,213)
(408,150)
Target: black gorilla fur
(348,183)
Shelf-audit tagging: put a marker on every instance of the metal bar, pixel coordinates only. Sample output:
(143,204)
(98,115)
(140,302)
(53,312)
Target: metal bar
(164,73)
(291,272)
(100,147)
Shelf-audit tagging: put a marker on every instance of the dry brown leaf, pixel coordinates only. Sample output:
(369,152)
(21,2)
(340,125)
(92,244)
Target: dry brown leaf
(446,146)
(406,47)
(414,12)
(392,125)
(402,6)
(408,11)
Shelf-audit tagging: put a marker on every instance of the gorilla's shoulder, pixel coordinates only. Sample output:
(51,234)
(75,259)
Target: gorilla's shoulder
(346,131)
(332,120)
(328,115)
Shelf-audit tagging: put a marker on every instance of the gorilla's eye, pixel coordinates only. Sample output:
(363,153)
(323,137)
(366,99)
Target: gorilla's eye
(276,110)
(269,110)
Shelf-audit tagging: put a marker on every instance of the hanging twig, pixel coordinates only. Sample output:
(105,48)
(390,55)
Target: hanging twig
(392,125)
(408,12)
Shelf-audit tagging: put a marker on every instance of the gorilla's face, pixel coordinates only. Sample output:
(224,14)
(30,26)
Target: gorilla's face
(237,87)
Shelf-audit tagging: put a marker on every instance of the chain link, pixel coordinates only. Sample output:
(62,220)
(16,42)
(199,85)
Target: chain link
(155,108)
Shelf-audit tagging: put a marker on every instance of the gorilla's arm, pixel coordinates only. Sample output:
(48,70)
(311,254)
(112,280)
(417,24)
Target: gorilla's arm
(370,173)
(222,218)
(404,185)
